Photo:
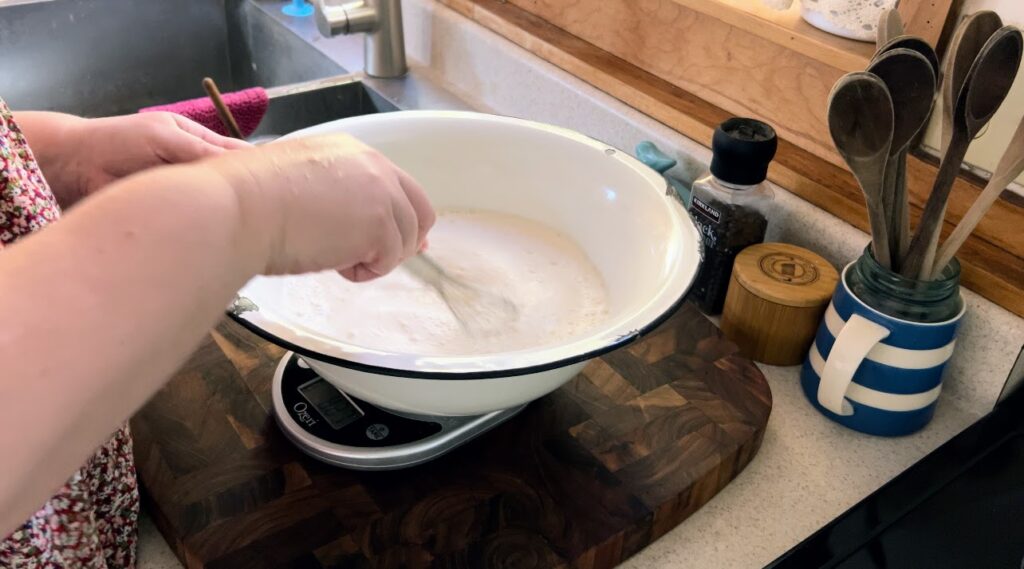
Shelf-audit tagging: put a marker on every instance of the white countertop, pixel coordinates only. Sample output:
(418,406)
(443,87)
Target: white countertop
(809,471)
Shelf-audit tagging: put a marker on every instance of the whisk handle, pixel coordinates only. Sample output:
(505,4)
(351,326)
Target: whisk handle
(425,269)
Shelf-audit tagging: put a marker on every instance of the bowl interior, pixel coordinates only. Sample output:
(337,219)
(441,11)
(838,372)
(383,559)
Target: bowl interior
(614,207)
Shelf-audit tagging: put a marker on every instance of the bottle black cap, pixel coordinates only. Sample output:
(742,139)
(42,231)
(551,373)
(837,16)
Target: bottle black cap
(741,151)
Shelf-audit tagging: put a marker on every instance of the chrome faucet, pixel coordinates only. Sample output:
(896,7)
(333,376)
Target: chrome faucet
(380,20)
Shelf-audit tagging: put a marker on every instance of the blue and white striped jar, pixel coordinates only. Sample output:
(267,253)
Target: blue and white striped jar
(873,372)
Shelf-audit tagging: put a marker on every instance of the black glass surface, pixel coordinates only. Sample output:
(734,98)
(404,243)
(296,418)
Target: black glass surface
(962,506)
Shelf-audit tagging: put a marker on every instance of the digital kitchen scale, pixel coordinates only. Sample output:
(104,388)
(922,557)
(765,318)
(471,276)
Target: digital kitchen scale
(339,429)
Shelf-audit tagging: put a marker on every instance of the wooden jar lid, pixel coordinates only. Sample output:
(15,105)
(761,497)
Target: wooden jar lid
(777,295)
(786,274)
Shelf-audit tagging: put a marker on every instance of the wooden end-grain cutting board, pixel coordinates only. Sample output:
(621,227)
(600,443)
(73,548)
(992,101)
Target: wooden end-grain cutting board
(584,477)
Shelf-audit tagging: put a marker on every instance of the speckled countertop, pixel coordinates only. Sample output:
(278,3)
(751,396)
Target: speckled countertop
(809,470)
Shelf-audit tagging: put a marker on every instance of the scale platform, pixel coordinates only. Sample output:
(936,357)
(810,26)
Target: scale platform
(330,425)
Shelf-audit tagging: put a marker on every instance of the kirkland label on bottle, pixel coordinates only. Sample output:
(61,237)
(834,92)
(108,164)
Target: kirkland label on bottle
(710,213)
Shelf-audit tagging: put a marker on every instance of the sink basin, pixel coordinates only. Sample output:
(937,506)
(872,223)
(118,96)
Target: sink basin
(106,57)
(297,106)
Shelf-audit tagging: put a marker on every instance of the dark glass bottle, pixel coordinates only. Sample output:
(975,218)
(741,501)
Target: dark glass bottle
(731,204)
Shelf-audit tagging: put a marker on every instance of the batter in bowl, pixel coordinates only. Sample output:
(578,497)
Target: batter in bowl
(558,291)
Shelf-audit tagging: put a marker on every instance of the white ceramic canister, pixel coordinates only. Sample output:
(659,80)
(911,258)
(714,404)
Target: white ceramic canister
(853,19)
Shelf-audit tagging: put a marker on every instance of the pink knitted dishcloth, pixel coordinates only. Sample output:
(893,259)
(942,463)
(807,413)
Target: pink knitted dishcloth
(247,106)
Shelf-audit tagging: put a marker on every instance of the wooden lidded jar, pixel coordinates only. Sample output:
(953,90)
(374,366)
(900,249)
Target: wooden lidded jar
(777,296)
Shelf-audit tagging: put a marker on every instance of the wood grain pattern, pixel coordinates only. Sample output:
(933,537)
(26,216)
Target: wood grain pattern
(584,477)
(728,66)
(737,54)
(992,259)
(929,19)
(788,28)
(777,295)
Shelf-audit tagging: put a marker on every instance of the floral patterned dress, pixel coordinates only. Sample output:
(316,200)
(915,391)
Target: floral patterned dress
(91,523)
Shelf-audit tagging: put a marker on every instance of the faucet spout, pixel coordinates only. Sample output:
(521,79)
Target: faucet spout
(380,20)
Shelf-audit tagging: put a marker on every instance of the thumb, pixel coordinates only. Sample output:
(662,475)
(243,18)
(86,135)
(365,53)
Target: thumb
(359,273)
(201,132)
(175,146)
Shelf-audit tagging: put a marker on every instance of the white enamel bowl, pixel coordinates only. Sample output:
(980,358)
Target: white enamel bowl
(618,210)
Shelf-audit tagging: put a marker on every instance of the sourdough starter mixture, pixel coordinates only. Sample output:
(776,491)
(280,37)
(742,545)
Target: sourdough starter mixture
(557,290)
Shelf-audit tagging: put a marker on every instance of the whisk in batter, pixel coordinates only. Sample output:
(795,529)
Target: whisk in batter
(479,311)
(557,291)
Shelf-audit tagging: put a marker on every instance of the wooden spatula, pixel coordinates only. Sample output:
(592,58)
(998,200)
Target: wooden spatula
(1011,165)
(890,26)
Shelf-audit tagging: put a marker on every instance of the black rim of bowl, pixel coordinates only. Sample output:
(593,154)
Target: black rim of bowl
(623,340)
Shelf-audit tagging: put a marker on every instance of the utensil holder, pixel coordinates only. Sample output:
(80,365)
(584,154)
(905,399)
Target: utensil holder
(877,361)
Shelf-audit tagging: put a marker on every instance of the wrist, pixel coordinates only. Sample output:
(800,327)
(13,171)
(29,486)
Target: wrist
(76,159)
(258,220)
(58,142)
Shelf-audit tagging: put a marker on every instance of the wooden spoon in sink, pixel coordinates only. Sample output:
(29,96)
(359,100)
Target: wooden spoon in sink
(986,86)
(226,118)
(860,120)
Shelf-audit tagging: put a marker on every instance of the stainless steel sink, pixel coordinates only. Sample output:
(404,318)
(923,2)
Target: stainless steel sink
(105,57)
(306,104)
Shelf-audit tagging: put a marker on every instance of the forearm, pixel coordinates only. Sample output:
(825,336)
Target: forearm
(52,137)
(99,309)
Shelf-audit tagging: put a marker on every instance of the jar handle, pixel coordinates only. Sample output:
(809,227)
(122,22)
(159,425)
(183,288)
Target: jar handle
(852,345)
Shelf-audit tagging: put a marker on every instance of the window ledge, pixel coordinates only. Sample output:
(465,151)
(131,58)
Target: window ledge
(787,28)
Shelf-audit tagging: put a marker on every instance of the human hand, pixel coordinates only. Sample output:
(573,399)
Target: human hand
(328,202)
(107,149)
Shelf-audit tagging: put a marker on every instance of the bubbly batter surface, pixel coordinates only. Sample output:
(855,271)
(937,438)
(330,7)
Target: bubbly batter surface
(556,288)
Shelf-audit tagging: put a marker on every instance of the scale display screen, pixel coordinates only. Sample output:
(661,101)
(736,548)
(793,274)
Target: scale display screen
(330,403)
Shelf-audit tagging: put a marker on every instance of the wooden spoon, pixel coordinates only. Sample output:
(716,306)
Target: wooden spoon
(987,84)
(1010,166)
(899,214)
(913,43)
(910,79)
(964,47)
(890,25)
(860,120)
(226,118)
